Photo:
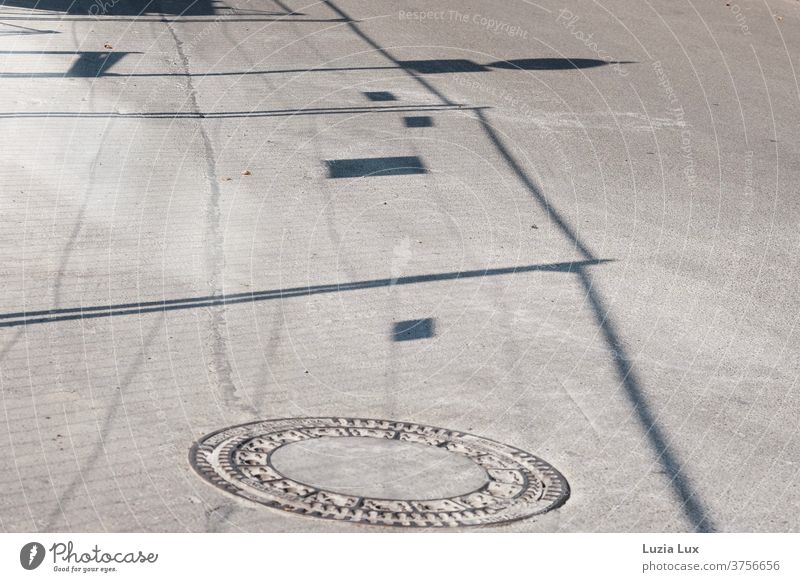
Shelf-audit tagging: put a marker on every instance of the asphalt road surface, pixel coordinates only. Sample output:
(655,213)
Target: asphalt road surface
(220,212)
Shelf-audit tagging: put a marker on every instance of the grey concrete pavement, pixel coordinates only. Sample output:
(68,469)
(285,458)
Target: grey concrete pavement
(596,209)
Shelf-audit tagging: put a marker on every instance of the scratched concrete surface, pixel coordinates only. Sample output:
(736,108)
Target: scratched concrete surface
(596,222)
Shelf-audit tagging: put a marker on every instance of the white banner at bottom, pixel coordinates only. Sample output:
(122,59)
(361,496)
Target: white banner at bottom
(400,557)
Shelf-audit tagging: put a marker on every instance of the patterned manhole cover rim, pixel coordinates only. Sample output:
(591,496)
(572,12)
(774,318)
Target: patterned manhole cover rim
(518,484)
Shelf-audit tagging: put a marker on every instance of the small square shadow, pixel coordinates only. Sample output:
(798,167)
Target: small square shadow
(413,329)
(380,96)
(438,66)
(370,167)
(419,121)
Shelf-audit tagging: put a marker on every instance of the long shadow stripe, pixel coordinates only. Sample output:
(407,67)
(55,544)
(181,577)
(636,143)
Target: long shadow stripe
(74,313)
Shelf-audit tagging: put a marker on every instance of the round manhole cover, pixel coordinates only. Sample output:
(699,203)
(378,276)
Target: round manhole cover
(379,472)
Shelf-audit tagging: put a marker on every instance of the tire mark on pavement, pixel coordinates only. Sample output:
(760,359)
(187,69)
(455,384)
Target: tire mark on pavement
(218,364)
(99,447)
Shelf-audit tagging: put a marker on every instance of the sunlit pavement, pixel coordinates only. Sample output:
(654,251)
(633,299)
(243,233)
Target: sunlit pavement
(568,228)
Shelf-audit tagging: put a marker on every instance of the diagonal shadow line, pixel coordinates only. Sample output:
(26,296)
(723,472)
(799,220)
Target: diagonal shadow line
(692,505)
(694,509)
(286,9)
(352,25)
(76,53)
(419,67)
(24,30)
(74,313)
(177,20)
(28,28)
(534,190)
(202,75)
(234,114)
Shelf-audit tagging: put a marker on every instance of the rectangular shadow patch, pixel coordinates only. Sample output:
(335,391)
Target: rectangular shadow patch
(418,121)
(380,96)
(413,329)
(364,167)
